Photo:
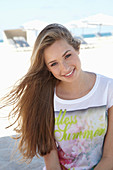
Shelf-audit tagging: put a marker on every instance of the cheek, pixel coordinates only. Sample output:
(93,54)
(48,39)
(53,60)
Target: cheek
(77,61)
(55,71)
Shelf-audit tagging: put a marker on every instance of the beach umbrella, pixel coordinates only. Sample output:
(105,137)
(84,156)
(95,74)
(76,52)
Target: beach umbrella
(99,19)
(78,24)
(34,25)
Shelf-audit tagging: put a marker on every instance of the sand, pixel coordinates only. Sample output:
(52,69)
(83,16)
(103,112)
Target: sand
(9,161)
(13,65)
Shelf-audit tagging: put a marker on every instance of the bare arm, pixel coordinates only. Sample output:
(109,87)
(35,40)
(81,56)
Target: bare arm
(52,161)
(106,162)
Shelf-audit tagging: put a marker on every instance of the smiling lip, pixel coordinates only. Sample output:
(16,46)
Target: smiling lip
(70,73)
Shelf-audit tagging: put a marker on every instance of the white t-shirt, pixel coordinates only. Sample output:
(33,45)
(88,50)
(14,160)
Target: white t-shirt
(81,125)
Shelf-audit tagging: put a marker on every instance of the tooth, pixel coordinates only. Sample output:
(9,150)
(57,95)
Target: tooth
(69,73)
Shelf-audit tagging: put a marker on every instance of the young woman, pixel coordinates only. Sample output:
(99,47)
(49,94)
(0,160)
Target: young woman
(64,113)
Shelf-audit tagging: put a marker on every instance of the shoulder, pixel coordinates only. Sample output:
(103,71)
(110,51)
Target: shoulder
(106,87)
(104,80)
(101,78)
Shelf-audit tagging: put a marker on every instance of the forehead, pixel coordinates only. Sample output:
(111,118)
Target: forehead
(57,48)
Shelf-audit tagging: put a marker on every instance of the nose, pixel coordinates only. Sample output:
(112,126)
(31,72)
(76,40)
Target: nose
(64,67)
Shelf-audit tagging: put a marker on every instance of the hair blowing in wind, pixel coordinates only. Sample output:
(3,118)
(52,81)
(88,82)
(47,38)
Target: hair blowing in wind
(32,97)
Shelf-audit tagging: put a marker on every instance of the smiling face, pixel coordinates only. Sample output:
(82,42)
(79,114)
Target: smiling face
(62,61)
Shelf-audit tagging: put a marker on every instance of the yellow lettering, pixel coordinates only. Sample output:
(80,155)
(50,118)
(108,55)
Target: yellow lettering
(102,131)
(99,132)
(76,135)
(66,120)
(89,133)
(62,134)
(61,121)
(69,136)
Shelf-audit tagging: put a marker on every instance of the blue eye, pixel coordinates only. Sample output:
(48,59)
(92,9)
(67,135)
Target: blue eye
(67,56)
(53,64)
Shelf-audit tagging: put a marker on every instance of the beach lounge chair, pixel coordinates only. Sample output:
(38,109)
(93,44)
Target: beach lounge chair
(16,39)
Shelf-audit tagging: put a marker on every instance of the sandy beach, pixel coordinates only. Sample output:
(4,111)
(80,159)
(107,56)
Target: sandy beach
(13,65)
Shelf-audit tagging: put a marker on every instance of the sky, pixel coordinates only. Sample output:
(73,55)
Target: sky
(14,13)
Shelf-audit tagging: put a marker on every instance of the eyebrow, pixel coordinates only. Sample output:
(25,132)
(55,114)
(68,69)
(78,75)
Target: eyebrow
(62,56)
(65,53)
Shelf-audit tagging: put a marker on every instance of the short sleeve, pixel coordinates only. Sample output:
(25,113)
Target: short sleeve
(110,94)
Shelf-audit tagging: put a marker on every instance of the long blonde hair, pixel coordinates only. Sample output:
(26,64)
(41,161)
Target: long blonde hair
(32,98)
